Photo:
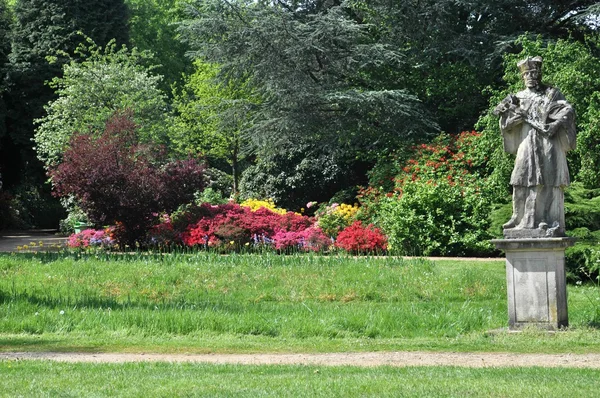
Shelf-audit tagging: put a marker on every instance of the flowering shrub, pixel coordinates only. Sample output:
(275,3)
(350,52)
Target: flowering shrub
(92,238)
(232,227)
(163,234)
(439,205)
(335,217)
(359,239)
(255,204)
(209,225)
(309,239)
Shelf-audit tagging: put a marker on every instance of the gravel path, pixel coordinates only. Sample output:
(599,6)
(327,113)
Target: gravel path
(366,359)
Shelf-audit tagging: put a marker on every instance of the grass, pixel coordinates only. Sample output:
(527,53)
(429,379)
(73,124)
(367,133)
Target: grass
(204,302)
(48,379)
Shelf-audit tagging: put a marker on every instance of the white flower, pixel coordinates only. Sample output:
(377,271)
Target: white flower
(61,312)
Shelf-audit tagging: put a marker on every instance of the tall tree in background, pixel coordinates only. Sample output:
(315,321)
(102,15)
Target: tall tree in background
(455,48)
(210,117)
(5,22)
(97,84)
(44,31)
(153,27)
(320,75)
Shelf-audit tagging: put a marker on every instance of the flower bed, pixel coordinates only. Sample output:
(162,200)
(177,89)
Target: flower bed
(233,227)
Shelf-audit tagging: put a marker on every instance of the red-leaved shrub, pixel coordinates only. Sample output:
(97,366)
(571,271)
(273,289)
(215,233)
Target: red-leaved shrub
(116,180)
(358,239)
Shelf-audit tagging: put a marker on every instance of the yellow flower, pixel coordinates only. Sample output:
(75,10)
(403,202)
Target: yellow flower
(255,204)
(231,242)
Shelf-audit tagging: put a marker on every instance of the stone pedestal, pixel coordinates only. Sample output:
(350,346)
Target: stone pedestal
(536,281)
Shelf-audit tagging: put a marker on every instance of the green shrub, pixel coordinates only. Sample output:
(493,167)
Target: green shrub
(436,219)
(439,205)
(582,207)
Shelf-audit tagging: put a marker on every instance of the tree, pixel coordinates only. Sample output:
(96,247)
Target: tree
(44,31)
(153,27)
(100,82)
(320,75)
(211,117)
(5,22)
(322,83)
(455,48)
(118,181)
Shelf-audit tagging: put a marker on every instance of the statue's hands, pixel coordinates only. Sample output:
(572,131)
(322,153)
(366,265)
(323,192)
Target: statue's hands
(552,128)
(513,117)
(510,103)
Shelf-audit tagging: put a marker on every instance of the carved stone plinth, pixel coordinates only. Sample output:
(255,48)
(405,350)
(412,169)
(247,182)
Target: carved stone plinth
(536,281)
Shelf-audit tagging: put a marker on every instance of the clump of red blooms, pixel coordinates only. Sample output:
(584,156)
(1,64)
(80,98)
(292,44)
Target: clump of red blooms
(448,157)
(359,239)
(231,227)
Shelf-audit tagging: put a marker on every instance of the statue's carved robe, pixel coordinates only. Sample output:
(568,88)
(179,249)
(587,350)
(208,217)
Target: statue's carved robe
(540,172)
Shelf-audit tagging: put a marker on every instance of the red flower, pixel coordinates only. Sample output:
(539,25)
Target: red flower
(359,239)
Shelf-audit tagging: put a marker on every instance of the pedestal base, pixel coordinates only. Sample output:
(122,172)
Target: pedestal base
(536,281)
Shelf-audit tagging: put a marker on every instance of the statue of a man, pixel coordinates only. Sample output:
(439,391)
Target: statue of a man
(537,125)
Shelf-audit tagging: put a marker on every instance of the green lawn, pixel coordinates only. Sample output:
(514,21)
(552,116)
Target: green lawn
(267,303)
(51,379)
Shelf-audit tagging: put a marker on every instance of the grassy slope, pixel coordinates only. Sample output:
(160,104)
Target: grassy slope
(268,303)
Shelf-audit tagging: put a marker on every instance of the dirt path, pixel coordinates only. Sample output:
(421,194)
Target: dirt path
(366,359)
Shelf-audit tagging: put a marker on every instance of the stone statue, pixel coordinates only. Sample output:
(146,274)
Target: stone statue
(538,126)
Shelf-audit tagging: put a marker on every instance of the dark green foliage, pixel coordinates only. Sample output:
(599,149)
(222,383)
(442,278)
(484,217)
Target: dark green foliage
(31,205)
(322,77)
(582,207)
(582,261)
(299,175)
(5,22)
(455,47)
(44,33)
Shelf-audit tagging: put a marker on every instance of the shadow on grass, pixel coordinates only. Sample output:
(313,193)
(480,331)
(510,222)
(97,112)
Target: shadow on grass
(36,343)
(98,302)
(594,323)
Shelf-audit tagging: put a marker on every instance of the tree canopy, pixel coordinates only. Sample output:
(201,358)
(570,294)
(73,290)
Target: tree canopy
(320,74)
(105,81)
(297,100)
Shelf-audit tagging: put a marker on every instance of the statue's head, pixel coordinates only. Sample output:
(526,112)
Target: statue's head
(531,71)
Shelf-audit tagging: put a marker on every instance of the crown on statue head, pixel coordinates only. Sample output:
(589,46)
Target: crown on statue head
(529,64)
